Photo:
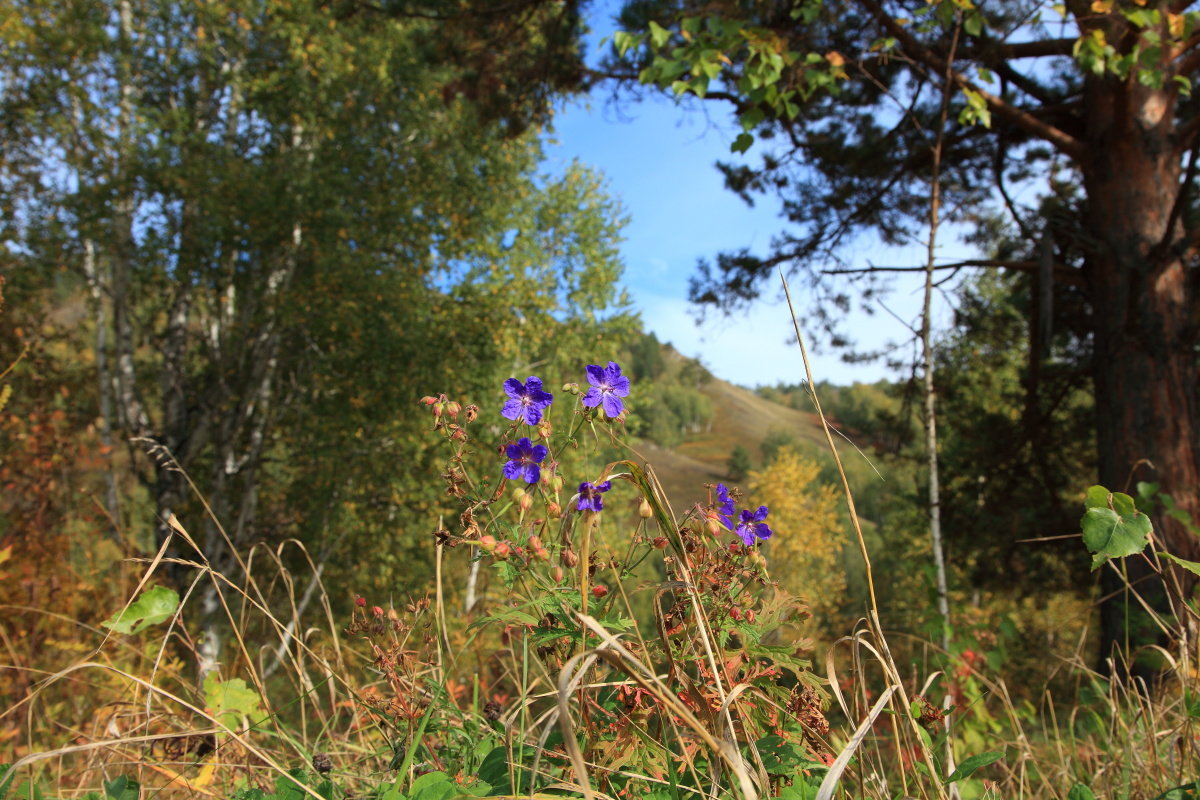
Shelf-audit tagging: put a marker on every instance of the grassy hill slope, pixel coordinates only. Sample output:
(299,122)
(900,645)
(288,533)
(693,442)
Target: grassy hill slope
(739,417)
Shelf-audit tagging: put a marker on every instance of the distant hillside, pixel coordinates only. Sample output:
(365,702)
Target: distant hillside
(739,416)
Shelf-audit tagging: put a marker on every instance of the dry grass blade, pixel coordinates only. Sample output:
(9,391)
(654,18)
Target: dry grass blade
(829,784)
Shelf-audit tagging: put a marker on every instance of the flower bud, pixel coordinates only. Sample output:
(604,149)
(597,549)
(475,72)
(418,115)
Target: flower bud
(599,591)
(660,543)
(361,602)
(556,483)
(571,388)
(377,611)
(525,502)
(502,551)
(453,409)
(558,574)
(541,554)
(735,613)
(712,527)
(644,509)
(544,429)
(428,400)
(535,542)
(750,616)
(517,494)
(569,558)
(553,510)
(487,542)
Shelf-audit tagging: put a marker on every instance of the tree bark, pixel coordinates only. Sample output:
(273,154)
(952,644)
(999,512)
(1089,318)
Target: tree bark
(1144,362)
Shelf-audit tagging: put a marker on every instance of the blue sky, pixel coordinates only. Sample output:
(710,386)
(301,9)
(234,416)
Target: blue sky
(659,161)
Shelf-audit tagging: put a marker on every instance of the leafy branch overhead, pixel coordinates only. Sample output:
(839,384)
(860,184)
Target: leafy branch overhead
(1069,159)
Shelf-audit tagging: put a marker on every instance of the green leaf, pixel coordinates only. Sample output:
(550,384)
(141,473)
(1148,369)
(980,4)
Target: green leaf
(973,23)
(1080,792)
(1191,566)
(658,34)
(433,786)
(1112,526)
(122,788)
(152,607)
(968,765)
(230,700)
(742,143)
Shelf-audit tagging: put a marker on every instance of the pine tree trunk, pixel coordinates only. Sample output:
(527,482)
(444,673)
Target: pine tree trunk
(1144,361)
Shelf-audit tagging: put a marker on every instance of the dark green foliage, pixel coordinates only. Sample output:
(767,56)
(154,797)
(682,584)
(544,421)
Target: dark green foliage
(739,465)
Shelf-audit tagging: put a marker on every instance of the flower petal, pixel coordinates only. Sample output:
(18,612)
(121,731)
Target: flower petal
(540,451)
(761,514)
(512,470)
(620,386)
(533,384)
(762,530)
(514,388)
(532,473)
(592,398)
(612,405)
(595,375)
(512,409)
(513,451)
(533,414)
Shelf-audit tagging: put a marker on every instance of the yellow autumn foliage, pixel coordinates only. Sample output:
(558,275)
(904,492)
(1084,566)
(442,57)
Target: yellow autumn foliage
(804,555)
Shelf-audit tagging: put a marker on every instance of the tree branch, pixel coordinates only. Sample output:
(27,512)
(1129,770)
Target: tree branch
(1070,274)
(1019,117)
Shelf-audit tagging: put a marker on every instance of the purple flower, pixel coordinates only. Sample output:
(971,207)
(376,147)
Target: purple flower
(725,506)
(590,496)
(752,527)
(608,387)
(527,400)
(523,460)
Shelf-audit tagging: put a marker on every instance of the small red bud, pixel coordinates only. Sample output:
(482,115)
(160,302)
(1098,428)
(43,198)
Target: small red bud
(525,503)
(750,616)
(487,542)
(428,400)
(453,409)
(553,510)
(361,602)
(535,542)
(660,543)
(502,551)
(558,574)
(735,613)
(599,591)
(377,611)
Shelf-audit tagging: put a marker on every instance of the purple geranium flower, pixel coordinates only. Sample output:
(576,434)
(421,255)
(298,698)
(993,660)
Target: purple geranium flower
(608,387)
(523,460)
(724,508)
(590,497)
(753,527)
(527,400)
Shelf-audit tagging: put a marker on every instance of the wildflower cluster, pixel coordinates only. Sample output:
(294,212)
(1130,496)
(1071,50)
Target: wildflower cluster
(561,569)
(751,526)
